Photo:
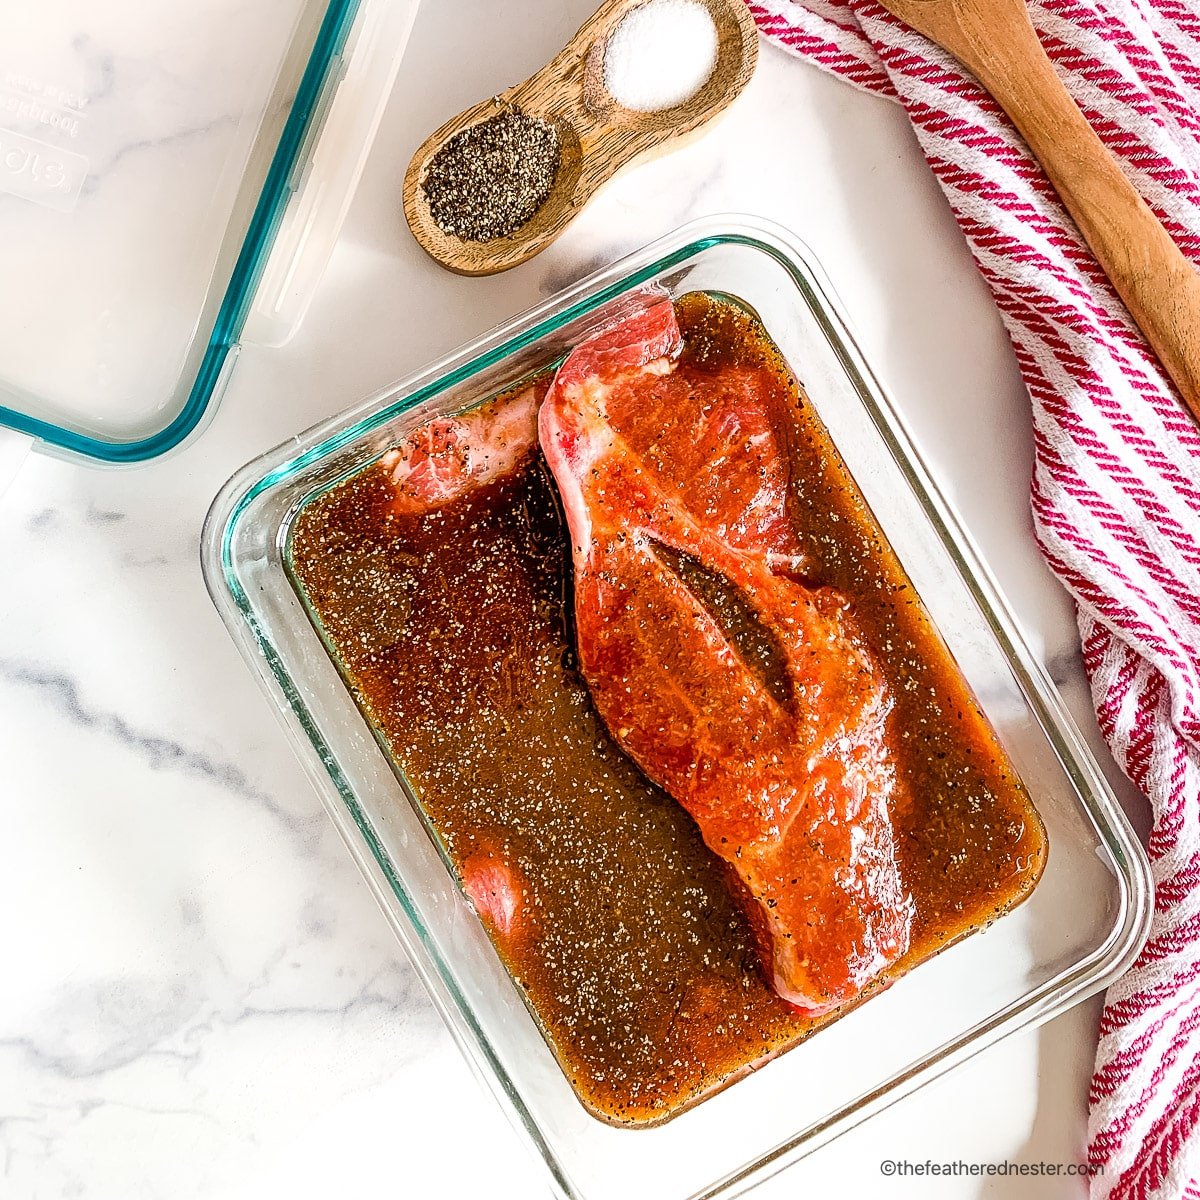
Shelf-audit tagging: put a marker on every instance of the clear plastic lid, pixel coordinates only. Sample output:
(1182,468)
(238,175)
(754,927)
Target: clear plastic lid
(151,155)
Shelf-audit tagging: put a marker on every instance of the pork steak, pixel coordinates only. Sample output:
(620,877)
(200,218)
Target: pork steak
(673,478)
(448,457)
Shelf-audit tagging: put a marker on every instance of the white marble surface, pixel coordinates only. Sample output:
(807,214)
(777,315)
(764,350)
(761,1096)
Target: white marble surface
(199,997)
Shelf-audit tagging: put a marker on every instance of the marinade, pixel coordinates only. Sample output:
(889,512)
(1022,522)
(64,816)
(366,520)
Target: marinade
(453,629)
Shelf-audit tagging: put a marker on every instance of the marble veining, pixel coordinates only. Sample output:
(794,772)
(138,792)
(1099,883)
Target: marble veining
(159,753)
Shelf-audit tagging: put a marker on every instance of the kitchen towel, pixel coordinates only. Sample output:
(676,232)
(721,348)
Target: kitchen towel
(1116,480)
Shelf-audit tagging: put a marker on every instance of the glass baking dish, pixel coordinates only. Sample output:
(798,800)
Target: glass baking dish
(1081,927)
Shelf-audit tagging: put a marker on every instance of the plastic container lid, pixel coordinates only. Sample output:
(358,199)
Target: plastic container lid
(152,157)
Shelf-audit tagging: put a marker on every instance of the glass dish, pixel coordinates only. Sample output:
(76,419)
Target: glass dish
(1081,927)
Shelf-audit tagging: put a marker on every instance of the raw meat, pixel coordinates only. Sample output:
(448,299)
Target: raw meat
(449,456)
(662,467)
(494,889)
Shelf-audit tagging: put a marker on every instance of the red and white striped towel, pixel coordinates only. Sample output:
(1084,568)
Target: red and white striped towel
(1116,482)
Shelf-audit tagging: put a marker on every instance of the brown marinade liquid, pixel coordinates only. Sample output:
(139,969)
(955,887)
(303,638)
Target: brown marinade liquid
(453,630)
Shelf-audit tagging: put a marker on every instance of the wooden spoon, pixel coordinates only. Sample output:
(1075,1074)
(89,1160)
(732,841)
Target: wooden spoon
(598,137)
(996,41)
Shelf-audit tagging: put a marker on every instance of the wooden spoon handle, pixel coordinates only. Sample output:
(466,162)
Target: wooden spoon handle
(1159,286)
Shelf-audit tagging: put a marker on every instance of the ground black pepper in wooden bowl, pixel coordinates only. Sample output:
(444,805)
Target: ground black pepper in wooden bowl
(489,179)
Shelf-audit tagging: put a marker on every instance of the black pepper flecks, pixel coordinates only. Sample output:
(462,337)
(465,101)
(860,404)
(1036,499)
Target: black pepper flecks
(489,179)
(454,630)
